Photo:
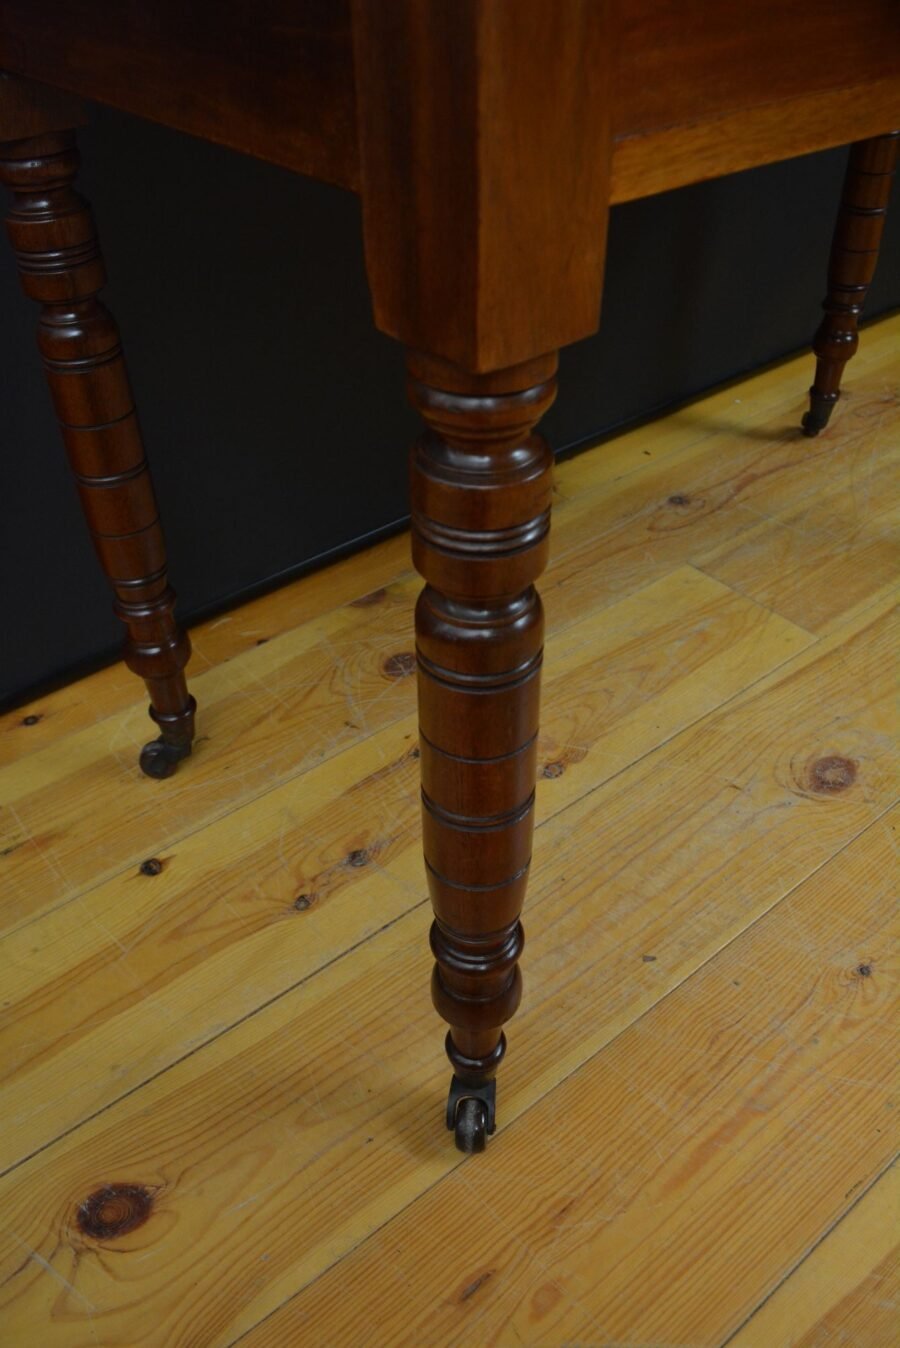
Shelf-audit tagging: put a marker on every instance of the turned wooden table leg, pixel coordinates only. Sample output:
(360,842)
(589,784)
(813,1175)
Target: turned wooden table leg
(62,269)
(485,240)
(854,256)
(481,488)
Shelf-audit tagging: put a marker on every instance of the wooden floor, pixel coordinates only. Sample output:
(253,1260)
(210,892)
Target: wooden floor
(222,1113)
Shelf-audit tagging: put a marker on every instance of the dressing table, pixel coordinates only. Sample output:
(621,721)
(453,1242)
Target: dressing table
(487,140)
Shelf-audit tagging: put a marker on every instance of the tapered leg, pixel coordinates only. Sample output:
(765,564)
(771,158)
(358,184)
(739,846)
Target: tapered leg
(485,242)
(481,487)
(61,267)
(854,256)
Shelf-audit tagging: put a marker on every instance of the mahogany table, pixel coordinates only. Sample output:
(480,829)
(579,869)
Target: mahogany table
(487,140)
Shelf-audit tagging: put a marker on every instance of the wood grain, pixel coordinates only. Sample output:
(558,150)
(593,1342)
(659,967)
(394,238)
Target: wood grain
(485,237)
(802,570)
(268,977)
(674,1175)
(103,993)
(277,710)
(686,64)
(674,155)
(847,1289)
(294,103)
(356,1110)
(822,553)
(720,490)
(770,397)
(323,686)
(226,1092)
(277,84)
(98,696)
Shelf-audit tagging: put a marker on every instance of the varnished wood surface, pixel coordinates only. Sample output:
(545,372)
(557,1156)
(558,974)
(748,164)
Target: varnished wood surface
(871,167)
(61,267)
(481,491)
(673,156)
(697,94)
(222,1108)
(687,63)
(481,134)
(484,217)
(274,79)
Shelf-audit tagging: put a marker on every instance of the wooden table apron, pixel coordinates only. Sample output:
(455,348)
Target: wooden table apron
(487,140)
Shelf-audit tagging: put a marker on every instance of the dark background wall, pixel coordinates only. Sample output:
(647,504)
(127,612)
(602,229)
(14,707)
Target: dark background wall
(274,413)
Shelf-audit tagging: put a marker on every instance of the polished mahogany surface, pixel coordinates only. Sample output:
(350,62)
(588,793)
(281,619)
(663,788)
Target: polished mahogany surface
(276,78)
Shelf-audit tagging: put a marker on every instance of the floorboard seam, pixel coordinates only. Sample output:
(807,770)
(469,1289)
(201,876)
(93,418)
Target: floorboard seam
(648,1010)
(812,1249)
(422,903)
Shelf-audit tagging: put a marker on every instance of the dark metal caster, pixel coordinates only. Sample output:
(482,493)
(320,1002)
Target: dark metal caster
(821,406)
(159,758)
(472,1113)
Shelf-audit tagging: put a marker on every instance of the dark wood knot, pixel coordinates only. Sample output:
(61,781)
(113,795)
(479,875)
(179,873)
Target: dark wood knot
(832,774)
(152,866)
(114,1210)
(399,666)
(864,970)
(475,1285)
(569,756)
(679,499)
(361,856)
(303,902)
(31,719)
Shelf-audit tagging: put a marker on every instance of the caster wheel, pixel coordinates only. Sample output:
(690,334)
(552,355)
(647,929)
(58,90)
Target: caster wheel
(821,406)
(159,759)
(471,1113)
(470,1132)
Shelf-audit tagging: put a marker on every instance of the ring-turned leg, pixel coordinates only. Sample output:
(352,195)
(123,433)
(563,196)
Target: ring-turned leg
(485,249)
(61,267)
(481,490)
(854,256)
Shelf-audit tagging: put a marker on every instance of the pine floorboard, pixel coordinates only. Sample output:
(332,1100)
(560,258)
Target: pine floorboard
(696,1126)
